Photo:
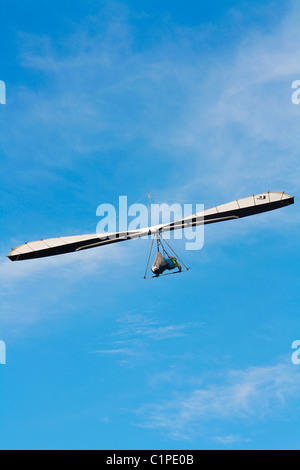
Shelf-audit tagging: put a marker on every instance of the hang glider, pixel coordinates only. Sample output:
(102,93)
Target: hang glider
(233,210)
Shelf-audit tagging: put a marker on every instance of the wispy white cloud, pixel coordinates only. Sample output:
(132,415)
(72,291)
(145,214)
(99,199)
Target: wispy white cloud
(230,119)
(148,326)
(242,396)
(230,439)
(120,351)
(136,333)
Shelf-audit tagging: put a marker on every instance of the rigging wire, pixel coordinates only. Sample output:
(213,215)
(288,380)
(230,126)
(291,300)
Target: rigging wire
(160,245)
(164,198)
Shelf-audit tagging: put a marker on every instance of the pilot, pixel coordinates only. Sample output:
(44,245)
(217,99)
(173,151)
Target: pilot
(167,264)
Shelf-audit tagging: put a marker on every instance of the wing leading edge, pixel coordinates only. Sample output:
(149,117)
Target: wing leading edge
(233,210)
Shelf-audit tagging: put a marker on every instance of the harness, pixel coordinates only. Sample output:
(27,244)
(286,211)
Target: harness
(164,248)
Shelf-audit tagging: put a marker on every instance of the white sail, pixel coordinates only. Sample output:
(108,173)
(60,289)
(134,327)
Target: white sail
(233,210)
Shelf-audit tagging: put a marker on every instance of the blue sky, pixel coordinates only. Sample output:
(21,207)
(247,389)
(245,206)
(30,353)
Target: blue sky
(191,101)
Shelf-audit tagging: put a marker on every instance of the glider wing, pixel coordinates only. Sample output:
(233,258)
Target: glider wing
(233,210)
